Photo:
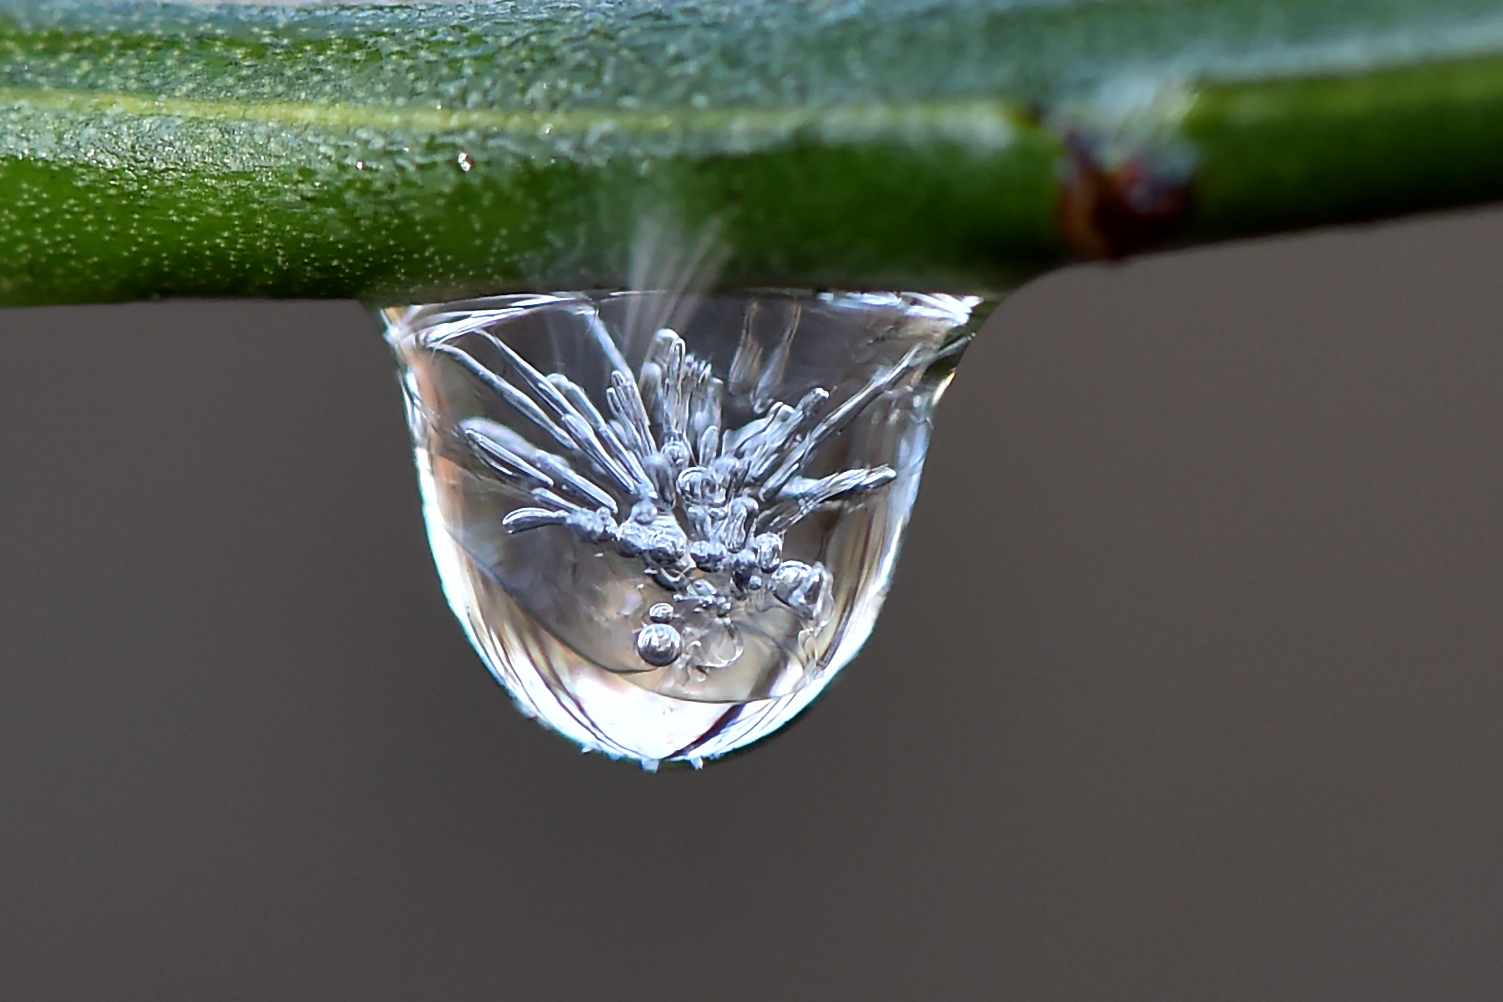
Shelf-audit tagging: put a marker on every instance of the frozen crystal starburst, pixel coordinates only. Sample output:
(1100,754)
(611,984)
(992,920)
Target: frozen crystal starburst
(667,522)
(703,508)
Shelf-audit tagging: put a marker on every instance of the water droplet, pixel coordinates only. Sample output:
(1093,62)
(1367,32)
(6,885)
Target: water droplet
(667,522)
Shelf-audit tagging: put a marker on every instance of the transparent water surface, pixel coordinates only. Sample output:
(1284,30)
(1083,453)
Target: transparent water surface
(667,522)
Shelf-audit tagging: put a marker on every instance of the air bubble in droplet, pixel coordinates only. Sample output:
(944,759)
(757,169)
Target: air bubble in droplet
(659,644)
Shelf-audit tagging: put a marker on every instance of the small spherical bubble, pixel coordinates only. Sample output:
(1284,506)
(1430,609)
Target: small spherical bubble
(643,512)
(787,579)
(659,644)
(697,485)
(769,550)
(707,556)
(661,612)
(632,539)
(801,587)
(743,564)
(666,544)
(677,454)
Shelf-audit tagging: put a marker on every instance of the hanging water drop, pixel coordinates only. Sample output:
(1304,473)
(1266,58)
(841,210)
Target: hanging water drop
(666,522)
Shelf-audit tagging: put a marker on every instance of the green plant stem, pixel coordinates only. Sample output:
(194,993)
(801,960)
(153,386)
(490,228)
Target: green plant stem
(404,153)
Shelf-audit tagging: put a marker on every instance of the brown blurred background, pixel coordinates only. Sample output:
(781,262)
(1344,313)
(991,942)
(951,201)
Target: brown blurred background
(1190,686)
